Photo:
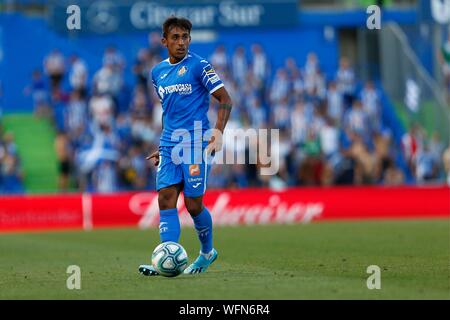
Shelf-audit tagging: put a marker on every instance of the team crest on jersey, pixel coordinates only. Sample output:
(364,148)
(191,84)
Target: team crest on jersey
(182,71)
(194,170)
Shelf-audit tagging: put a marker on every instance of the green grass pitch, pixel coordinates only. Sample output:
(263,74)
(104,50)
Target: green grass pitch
(326,260)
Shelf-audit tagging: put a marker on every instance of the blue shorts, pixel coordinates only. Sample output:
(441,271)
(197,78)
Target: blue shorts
(192,173)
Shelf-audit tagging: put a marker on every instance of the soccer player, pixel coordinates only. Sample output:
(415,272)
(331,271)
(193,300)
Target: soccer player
(184,82)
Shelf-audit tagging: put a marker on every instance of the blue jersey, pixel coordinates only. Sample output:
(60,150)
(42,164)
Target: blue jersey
(184,89)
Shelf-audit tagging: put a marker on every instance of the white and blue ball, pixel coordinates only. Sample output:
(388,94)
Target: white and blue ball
(169,259)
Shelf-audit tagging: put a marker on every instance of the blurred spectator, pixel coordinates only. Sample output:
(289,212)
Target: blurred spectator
(335,103)
(329,138)
(259,65)
(105,177)
(76,112)
(436,145)
(142,67)
(426,165)
(312,65)
(411,143)
(102,109)
(100,151)
(134,169)
(218,177)
(357,120)
(446,161)
(112,57)
(291,67)
(370,99)
(108,81)
(155,47)
(11,176)
(257,114)
(219,59)
(9,144)
(383,155)
(54,66)
(314,81)
(298,124)
(298,84)
(39,93)
(345,79)
(78,75)
(239,65)
(365,161)
(58,101)
(280,86)
(393,176)
(281,113)
(62,149)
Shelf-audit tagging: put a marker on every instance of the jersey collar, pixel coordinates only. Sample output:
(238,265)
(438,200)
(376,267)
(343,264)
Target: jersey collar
(188,54)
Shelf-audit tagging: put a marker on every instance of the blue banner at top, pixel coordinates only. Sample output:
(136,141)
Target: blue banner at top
(108,16)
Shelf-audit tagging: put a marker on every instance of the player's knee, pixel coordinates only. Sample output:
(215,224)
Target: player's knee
(194,207)
(167,200)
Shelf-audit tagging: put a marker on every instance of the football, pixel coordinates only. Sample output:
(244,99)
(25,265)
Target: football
(169,259)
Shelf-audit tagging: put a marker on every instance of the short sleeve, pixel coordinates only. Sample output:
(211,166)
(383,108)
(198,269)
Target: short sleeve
(153,77)
(209,77)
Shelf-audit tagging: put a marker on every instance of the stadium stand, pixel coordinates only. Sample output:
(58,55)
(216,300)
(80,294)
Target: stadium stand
(333,131)
(335,128)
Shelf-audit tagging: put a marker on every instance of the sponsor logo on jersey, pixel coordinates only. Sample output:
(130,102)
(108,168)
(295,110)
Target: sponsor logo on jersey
(161,92)
(181,88)
(194,170)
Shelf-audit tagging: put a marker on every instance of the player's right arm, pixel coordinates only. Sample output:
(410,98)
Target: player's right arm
(155,154)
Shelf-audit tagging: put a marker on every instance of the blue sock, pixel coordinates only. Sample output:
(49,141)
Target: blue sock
(169,225)
(203,226)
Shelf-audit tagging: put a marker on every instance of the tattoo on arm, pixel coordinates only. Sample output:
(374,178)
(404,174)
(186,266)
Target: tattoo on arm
(225,106)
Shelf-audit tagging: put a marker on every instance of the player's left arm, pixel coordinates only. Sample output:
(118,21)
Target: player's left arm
(223,114)
(225,106)
(211,81)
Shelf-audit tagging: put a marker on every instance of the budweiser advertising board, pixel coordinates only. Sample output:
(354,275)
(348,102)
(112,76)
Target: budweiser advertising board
(228,207)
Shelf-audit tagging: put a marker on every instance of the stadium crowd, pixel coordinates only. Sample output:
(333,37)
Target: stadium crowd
(11,176)
(331,129)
